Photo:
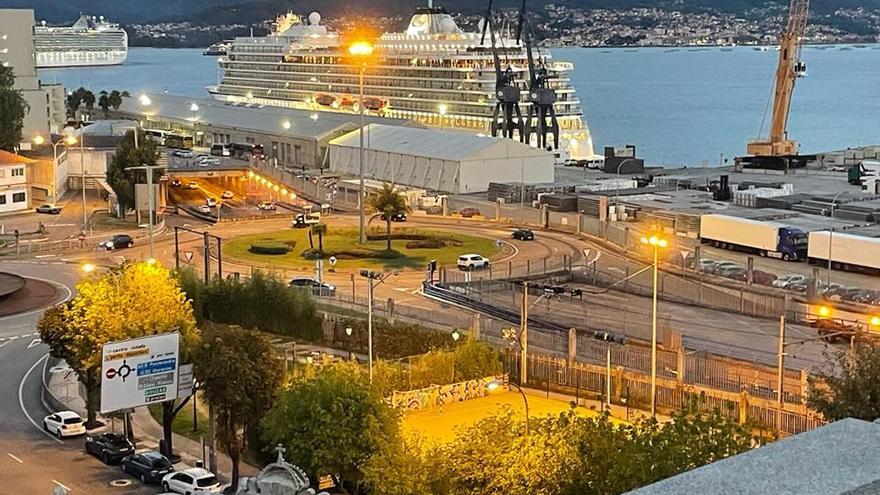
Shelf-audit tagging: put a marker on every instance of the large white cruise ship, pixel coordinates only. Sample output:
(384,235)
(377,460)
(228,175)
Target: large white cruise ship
(90,41)
(433,73)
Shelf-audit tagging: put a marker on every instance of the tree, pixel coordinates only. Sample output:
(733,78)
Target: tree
(332,423)
(74,100)
(389,203)
(240,376)
(104,103)
(123,180)
(849,387)
(116,98)
(400,468)
(88,98)
(320,230)
(13,109)
(135,300)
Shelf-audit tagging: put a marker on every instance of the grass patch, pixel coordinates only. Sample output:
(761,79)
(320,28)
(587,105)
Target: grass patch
(182,424)
(342,243)
(103,220)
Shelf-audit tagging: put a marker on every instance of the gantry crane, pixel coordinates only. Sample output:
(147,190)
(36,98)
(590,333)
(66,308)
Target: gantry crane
(541,116)
(507,117)
(777,150)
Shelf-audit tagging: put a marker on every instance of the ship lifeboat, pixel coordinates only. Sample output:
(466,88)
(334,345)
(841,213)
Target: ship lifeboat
(347,101)
(325,100)
(374,103)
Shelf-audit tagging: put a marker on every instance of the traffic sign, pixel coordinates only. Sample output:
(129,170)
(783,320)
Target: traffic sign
(332,260)
(499,242)
(139,371)
(188,256)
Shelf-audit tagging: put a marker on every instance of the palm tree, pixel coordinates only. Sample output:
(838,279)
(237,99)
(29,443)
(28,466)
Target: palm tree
(389,203)
(320,230)
(89,99)
(104,103)
(115,99)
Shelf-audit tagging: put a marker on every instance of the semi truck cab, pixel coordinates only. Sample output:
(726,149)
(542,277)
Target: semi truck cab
(792,244)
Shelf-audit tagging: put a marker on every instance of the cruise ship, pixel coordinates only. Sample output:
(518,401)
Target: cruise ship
(90,41)
(434,73)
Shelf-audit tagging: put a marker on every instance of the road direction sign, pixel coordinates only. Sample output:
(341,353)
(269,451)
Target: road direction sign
(185,380)
(139,371)
(188,256)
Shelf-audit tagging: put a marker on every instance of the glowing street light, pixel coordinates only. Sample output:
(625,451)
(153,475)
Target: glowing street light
(286,125)
(657,243)
(442,108)
(874,321)
(824,311)
(39,140)
(361,50)
(88,267)
(145,100)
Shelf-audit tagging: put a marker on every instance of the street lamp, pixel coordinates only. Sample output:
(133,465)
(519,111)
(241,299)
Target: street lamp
(39,140)
(361,51)
(348,331)
(619,168)
(374,279)
(442,109)
(88,267)
(145,100)
(494,385)
(656,243)
(151,206)
(831,234)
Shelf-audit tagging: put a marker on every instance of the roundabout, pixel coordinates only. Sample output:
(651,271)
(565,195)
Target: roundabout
(20,294)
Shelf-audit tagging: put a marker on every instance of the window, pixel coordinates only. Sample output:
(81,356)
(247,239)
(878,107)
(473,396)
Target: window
(18,197)
(2,199)
(18,172)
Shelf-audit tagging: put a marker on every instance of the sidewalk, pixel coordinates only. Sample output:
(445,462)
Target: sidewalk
(64,390)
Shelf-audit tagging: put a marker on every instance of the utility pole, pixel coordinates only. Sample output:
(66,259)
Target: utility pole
(150,196)
(82,166)
(524,335)
(370,326)
(780,373)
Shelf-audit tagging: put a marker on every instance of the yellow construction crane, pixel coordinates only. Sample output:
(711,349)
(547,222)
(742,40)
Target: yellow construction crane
(777,145)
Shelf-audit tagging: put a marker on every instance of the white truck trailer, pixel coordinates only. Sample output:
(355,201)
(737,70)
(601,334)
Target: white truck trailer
(763,238)
(848,251)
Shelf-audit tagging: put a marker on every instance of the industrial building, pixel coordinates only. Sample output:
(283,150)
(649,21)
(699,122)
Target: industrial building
(46,101)
(296,138)
(436,160)
(14,182)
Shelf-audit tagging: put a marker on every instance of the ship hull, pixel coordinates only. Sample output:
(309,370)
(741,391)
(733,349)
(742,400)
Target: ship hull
(46,60)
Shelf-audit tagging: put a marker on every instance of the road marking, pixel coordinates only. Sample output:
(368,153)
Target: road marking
(59,484)
(34,342)
(24,336)
(21,401)
(40,256)
(13,337)
(15,458)
(4,344)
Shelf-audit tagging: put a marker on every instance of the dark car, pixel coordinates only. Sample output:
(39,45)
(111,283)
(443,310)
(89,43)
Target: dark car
(109,447)
(149,467)
(469,212)
(118,241)
(50,209)
(317,288)
(397,217)
(523,235)
(175,182)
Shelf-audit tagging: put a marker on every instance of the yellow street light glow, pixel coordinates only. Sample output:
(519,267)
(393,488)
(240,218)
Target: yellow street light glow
(145,100)
(251,174)
(655,241)
(442,108)
(360,49)
(70,140)
(276,187)
(38,140)
(286,125)
(493,385)
(284,191)
(292,195)
(88,267)
(824,311)
(875,321)
(151,261)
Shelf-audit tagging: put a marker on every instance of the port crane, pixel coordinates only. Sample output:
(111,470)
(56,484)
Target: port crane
(541,116)
(507,117)
(777,150)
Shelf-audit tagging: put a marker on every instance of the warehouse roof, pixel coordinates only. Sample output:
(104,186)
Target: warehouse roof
(838,458)
(254,117)
(430,143)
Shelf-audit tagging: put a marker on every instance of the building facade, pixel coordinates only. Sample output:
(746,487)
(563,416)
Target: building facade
(14,182)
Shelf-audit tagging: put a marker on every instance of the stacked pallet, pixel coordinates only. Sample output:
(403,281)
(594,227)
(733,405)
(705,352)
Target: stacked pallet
(588,205)
(749,196)
(560,202)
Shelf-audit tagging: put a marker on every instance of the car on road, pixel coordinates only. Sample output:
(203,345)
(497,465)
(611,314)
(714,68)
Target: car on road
(193,185)
(191,481)
(468,212)
(183,153)
(211,202)
(50,209)
(317,288)
(397,217)
(227,195)
(175,183)
(204,209)
(523,235)
(149,467)
(109,447)
(64,424)
(266,205)
(784,281)
(118,241)
(706,265)
(207,161)
(472,262)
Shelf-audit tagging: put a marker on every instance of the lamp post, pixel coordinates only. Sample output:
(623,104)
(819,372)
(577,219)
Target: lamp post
(455,336)
(348,331)
(442,108)
(493,385)
(149,169)
(361,51)
(39,140)
(373,279)
(656,244)
(619,167)
(831,234)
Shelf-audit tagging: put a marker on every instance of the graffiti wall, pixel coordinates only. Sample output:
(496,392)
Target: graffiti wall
(440,395)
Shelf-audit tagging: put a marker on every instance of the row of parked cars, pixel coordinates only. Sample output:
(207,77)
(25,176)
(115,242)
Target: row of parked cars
(200,160)
(149,466)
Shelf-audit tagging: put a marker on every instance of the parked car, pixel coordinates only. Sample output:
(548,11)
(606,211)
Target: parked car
(204,209)
(193,185)
(797,287)
(183,153)
(211,201)
(468,212)
(207,161)
(266,206)
(397,217)
(118,241)
(149,467)
(191,481)
(109,447)
(723,265)
(174,182)
(523,235)
(784,281)
(49,209)
(227,195)
(472,262)
(736,273)
(317,288)
(706,265)
(64,424)
(728,270)
(849,294)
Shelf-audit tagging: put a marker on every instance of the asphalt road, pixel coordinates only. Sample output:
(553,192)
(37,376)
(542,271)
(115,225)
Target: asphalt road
(32,461)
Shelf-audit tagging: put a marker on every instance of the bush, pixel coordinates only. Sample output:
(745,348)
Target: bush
(270,248)
(392,341)
(433,243)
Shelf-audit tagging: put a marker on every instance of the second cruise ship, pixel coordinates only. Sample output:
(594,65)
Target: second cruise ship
(434,73)
(90,41)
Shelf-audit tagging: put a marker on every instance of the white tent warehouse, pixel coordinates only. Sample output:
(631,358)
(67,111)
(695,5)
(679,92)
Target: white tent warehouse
(447,161)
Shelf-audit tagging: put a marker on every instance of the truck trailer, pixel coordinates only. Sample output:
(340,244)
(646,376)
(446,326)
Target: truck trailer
(848,252)
(766,239)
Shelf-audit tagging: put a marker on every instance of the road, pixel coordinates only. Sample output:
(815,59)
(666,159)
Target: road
(32,461)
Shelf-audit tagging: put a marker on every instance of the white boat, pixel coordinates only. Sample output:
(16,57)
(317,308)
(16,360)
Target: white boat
(90,41)
(433,73)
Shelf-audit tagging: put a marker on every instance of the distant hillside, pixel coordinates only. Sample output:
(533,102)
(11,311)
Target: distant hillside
(246,12)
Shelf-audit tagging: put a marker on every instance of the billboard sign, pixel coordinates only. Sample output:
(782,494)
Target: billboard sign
(139,371)
(184,380)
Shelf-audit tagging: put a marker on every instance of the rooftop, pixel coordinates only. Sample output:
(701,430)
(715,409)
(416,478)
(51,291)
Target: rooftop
(7,158)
